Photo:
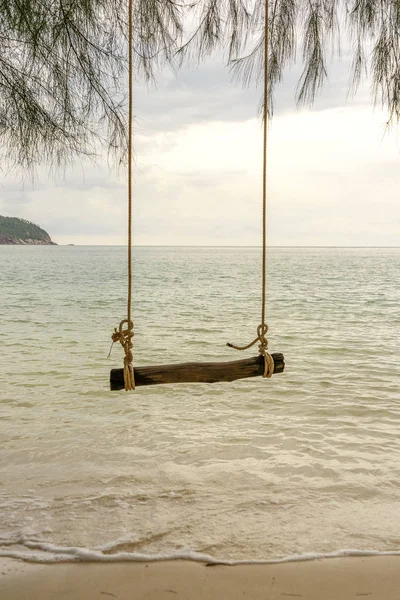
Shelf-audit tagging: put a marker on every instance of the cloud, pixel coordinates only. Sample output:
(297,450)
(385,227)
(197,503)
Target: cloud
(198,145)
(207,92)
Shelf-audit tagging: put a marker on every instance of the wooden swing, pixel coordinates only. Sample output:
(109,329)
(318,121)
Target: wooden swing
(264,364)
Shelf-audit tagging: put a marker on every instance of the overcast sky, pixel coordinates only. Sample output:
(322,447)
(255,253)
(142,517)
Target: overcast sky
(333,173)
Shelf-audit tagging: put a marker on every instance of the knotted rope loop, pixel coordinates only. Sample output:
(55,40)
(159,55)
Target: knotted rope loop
(124,336)
(269,364)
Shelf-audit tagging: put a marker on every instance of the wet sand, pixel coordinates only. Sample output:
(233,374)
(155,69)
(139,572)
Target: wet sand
(370,578)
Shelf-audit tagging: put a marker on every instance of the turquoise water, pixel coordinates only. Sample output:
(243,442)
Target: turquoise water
(308,462)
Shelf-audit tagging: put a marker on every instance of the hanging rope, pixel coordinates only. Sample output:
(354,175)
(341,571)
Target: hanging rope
(124,334)
(262,329)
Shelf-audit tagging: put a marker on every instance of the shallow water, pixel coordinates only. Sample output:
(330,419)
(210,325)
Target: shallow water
(307,462)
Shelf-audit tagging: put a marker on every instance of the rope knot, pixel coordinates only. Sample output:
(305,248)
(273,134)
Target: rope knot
(124,336)
(269,364)
(262,330)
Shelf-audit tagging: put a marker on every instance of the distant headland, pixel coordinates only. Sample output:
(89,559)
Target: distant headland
(20,232)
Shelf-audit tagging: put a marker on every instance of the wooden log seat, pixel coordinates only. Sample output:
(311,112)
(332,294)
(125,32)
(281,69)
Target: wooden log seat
(197,372)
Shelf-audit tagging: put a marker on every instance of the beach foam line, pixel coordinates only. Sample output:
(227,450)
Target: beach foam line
(47,553)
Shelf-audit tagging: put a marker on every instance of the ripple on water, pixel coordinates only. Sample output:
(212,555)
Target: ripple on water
(306,462)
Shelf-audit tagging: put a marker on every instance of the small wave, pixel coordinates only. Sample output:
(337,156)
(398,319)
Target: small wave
(36,551)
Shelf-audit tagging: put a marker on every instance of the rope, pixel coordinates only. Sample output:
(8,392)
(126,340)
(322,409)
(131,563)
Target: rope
(125,335)
(262,329)
(265,145)
(269,364)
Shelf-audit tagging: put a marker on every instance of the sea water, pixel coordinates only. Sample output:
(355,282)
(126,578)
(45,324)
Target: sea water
(305,463)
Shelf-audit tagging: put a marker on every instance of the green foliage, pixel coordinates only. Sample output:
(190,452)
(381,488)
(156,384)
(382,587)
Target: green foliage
(22,229)
(317,28)
(59,65)
(63,62)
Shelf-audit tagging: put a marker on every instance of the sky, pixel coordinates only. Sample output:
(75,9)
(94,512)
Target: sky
(333,170)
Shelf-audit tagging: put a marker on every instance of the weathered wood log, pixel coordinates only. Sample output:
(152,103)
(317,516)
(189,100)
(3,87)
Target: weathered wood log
(201,372)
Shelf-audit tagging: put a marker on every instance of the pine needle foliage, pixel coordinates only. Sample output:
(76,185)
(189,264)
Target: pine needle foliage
(63,62)
(309,31)
(63,73)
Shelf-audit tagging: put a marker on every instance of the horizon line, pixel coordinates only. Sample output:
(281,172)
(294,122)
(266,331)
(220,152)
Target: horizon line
(218,246)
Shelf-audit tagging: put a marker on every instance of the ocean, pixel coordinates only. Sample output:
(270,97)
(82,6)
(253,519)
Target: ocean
(304,464)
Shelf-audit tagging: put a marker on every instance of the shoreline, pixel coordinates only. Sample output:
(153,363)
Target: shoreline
(345,578)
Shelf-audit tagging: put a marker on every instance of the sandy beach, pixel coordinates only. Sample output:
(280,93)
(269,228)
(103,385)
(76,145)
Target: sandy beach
(373,578)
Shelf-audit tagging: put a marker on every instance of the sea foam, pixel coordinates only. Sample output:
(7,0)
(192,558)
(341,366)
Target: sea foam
(36,551)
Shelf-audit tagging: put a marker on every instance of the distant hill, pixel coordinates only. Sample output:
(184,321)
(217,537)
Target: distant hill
(19,231)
